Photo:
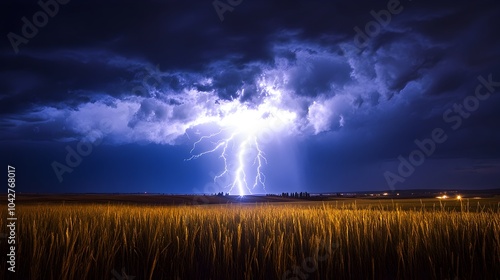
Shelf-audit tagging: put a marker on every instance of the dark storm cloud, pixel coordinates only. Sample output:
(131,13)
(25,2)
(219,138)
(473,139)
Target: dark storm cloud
(319,76)
(228,80)
(155,67)
(169,34)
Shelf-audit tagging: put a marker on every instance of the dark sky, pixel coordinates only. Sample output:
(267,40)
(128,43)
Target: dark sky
(326,96)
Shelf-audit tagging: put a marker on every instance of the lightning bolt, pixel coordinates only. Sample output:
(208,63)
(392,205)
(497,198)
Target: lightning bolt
(237,142)
(246,144)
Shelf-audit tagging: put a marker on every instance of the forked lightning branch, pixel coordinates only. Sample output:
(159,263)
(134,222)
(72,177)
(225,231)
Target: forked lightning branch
(244,151)
(238,141)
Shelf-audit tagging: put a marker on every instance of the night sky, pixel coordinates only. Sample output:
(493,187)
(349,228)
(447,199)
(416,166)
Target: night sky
(324,96)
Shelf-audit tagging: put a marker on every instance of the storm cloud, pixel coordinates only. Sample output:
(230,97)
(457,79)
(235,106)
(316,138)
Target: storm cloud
(152,71)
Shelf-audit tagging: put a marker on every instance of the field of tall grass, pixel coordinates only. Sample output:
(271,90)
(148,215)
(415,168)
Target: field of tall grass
(266,241)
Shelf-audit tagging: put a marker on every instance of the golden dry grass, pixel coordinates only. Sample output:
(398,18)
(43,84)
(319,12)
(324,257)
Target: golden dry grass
(254,242)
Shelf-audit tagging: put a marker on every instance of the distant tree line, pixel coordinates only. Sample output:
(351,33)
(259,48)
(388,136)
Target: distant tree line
(293,195)
(222,194)
(284,194)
